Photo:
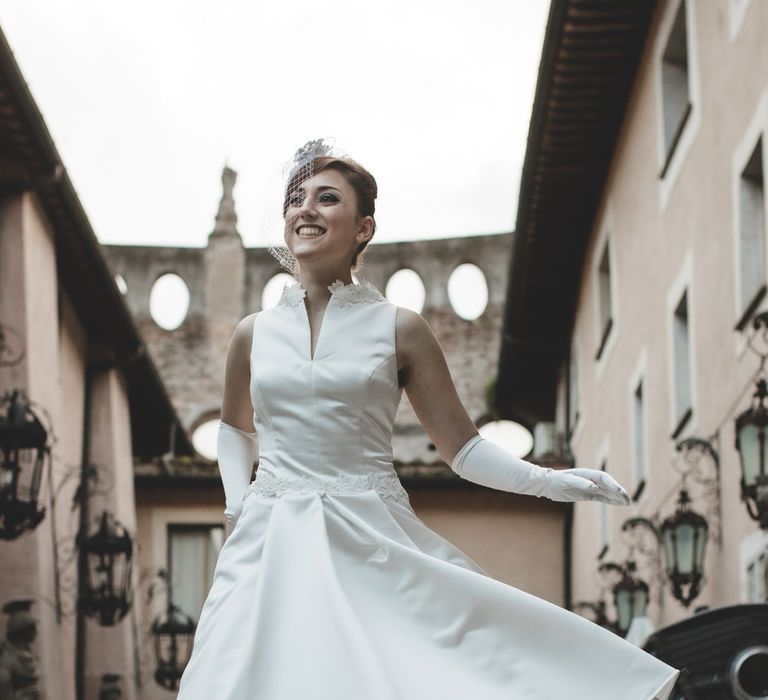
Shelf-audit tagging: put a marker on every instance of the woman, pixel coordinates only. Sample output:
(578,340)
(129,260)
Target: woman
(328,585)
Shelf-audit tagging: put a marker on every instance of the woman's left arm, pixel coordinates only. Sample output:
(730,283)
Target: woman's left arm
(429,386)
(431,391)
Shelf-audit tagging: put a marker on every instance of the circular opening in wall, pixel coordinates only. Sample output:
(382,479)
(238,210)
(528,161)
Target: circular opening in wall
(274,288)
(406,289)
(204,438)
(468,291)
(121,285)
(509,435)
(169,301)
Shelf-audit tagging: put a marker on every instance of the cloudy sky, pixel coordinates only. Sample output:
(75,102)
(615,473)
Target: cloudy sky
(148,100)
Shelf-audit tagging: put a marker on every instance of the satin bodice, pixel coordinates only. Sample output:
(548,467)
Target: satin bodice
(331,414)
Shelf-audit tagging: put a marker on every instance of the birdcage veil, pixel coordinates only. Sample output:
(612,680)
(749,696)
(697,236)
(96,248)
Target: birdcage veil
(284,183)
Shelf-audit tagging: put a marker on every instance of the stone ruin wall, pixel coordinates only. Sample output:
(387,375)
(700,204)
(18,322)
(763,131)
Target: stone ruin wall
(226,281)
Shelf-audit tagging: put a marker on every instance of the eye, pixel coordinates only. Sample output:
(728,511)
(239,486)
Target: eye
(295,199)
(328,197)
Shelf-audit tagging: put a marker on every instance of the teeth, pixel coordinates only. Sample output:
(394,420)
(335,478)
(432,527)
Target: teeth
(309,231)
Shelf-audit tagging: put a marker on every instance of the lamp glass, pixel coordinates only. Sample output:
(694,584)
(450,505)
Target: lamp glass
(752,450)
(685,555)
(700,545)
(624,607)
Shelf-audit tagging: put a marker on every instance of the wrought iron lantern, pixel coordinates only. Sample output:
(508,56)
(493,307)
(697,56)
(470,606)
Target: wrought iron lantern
(111,687)
(596,612)
(753,454)
(630,593)
(106,591)
(684,541)
(23,451)
(682,537)
(11,346)
(174,634)
(630,596)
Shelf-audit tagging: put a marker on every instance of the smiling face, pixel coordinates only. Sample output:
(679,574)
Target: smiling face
(322,220)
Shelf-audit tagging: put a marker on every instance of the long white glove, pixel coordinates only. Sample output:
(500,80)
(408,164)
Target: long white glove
(236,451)
(483,462)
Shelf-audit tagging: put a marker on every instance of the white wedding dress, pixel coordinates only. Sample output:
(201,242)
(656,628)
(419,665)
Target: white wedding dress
(331,588)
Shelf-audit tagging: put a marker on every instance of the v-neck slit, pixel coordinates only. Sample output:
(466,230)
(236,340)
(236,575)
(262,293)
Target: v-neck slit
(312,355)
(341,294)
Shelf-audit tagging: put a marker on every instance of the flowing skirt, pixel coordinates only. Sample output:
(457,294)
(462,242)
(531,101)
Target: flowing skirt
(352,597)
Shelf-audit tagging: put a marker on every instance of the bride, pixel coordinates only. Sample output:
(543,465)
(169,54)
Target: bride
(328,585)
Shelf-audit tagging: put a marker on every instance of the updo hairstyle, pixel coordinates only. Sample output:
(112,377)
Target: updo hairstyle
(361,181)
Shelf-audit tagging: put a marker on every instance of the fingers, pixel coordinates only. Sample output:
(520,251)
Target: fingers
(579,488)
(606,488)
(613,487)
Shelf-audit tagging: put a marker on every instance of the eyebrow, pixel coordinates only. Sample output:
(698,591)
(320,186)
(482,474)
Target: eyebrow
(322,188)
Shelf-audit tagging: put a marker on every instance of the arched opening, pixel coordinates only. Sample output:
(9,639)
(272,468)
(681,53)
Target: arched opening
(509,435)
(204,438)
(405,288)
(468,291)
(274,288)
(169,301)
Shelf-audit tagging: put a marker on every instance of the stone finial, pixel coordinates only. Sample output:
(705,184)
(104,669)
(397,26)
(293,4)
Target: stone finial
(226,217)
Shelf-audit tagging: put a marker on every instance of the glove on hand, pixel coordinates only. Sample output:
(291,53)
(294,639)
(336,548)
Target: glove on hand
(483,462)
(236,451)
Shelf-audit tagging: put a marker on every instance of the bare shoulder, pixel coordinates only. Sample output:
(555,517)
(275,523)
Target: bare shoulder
(410,323)
(245,325)
(243,334)
(414,337)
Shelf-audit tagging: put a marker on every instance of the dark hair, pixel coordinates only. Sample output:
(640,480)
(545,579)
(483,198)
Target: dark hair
(361,181)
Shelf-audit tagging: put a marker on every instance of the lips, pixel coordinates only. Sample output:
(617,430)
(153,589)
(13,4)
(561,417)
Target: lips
(309,231)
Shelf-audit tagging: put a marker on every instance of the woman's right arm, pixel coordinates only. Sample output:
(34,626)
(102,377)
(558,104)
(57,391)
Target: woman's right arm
(237,446)
(236,408)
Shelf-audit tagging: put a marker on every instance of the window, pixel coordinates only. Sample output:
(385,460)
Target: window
(604,300)
(676,100)
(752,234)
(192,554)
(682,364)
(638,421)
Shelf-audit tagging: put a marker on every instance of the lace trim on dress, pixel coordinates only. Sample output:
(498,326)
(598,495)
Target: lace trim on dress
(345,294)
(386,485)
(292,295)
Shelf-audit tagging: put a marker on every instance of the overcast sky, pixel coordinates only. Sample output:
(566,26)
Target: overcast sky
(147,101)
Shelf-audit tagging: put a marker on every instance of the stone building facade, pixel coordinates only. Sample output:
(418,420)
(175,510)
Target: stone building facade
(69,347)
(639,263)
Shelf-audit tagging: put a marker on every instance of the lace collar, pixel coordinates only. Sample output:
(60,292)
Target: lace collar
(345,294)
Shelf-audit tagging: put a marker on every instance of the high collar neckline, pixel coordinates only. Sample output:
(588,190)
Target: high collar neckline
(348,293)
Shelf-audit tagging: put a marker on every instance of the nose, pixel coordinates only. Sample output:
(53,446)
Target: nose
(307,208)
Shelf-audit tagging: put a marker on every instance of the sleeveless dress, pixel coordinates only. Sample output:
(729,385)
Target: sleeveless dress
(331,588)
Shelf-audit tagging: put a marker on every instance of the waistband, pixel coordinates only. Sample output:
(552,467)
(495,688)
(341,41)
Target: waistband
(386,485)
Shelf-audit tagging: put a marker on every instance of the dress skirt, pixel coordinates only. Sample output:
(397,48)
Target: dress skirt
(350,596)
